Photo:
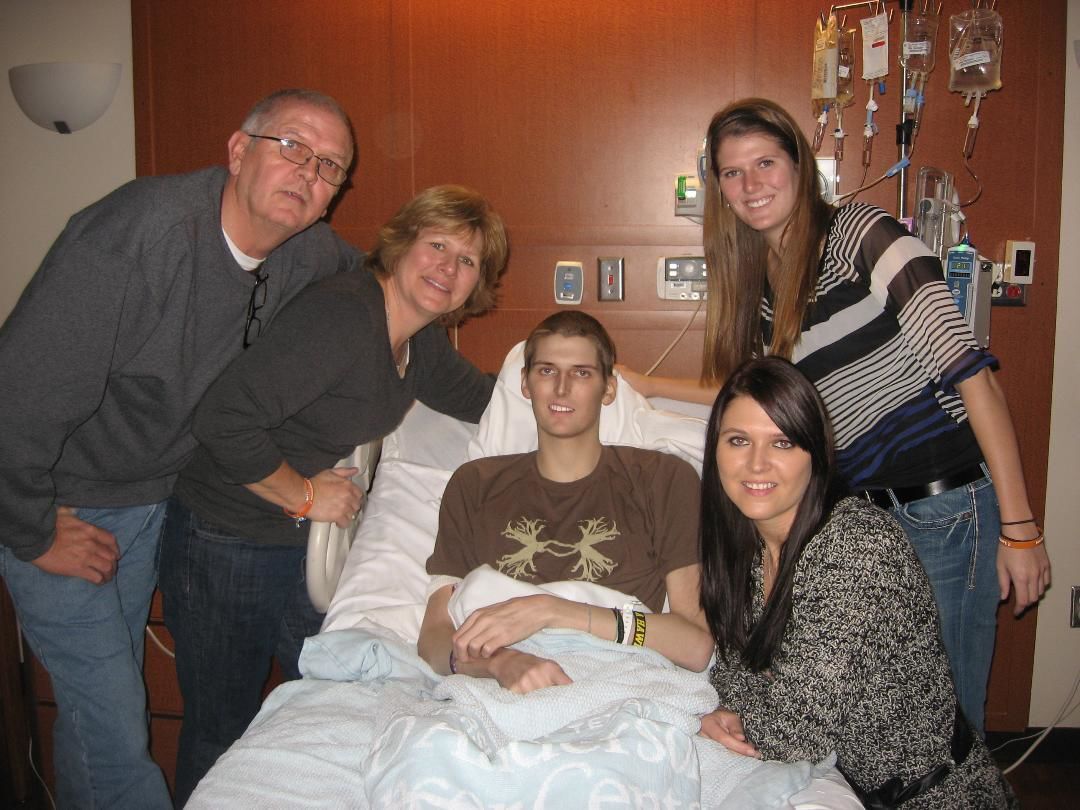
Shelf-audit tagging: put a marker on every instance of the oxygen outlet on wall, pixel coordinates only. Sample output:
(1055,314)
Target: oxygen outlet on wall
(569,282)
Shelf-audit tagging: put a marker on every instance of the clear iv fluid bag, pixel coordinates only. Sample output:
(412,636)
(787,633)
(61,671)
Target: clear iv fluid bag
(975,41)
(917,49)
(845,68)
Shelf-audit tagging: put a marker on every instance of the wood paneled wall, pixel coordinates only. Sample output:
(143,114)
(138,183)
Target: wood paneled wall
(574,117)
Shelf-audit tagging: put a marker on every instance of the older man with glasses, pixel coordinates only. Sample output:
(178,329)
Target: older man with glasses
(143,300)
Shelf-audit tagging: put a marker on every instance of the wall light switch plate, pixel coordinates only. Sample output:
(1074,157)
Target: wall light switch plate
(1019,262)
(610,278)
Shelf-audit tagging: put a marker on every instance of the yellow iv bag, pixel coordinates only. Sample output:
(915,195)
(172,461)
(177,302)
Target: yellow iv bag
(826,60)
(975,41)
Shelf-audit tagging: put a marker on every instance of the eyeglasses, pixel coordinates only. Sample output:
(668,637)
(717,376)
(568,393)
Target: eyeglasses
(300,153)
(253,325)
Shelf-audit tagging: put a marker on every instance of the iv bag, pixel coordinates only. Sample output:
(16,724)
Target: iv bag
(975,40)
(875,32)
(917,50)
(826,60)
(845,68)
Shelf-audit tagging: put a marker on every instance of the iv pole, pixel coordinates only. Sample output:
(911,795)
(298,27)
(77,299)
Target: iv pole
(906,126)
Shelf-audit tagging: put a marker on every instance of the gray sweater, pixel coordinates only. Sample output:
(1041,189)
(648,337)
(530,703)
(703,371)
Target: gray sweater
(137,308)
(321,381)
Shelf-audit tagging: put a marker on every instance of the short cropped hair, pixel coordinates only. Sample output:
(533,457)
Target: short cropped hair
(456,210)
(261,116)
(574,323)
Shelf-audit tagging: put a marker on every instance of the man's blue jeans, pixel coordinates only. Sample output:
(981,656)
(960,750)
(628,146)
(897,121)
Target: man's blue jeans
(955,535)
(230,604)
(90,639)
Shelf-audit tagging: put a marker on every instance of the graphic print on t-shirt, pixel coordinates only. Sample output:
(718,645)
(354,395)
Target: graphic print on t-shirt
(592,565)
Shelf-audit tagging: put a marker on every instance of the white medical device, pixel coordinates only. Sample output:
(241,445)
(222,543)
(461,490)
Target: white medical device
(681,278)
(970,279)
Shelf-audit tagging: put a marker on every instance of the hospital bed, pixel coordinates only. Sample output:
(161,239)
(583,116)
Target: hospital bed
(370,724)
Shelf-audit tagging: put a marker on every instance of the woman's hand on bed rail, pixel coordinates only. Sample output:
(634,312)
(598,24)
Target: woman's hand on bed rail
(726,728)
(337,498)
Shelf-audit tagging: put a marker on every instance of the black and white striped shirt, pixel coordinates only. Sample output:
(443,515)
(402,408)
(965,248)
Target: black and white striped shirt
(885,345)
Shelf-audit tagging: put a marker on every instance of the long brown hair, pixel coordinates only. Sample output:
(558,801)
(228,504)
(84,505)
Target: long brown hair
(737,255)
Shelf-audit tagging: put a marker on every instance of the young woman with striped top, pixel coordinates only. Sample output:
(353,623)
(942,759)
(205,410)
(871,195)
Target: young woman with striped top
(861,307)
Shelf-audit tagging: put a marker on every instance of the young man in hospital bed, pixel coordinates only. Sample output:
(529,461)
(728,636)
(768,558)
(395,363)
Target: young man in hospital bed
(371,724)
(617,525)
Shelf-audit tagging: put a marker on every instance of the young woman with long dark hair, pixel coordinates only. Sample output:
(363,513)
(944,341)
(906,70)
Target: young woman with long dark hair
(826,627)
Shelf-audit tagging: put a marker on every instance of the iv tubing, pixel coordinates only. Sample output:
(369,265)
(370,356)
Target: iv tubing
(678,337)
(969,147)
(899,166)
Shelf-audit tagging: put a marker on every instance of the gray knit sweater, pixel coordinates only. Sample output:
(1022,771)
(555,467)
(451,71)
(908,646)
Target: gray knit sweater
(861,669)
(321,381)
(137,307)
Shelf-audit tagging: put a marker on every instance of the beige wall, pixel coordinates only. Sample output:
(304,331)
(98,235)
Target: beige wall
(1057,646)
(56,175)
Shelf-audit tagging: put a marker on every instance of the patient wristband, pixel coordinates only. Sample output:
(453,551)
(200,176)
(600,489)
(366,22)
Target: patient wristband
(626,625)
(309,500)
(639,629)
(618,626)
(453,663)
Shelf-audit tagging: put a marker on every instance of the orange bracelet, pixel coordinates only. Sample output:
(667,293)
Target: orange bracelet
(309,501)
(1010,543)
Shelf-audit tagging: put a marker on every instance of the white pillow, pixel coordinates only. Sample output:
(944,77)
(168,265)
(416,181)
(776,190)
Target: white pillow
(508,426)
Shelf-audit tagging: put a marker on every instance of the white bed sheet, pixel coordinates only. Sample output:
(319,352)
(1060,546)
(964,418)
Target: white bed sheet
(305,748)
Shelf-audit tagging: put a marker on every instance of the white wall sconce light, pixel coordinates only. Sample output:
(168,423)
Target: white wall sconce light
(64,96)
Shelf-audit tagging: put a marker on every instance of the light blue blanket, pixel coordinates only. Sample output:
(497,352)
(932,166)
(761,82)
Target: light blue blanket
(371,725)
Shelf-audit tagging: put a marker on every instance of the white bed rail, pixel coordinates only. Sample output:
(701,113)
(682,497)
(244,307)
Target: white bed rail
(328,544)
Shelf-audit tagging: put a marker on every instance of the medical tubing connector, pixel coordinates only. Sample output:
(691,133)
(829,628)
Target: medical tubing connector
(819,132)
(870,129)
(972,128)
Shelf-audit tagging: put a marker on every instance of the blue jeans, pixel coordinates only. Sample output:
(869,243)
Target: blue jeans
(231,604)
(955,535)
(90,639)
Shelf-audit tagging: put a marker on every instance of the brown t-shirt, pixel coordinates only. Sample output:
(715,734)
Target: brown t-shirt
(626,525)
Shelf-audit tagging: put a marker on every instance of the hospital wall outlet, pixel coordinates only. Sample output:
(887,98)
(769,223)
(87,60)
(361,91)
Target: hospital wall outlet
(689,197)
(1004,293)
(681,278)
(569,282)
